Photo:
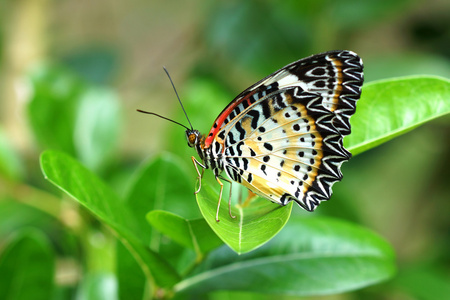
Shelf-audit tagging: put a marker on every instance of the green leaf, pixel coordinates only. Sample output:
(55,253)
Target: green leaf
(15,215)
(194,234)
(97,286)
(254,225)
(53,106)
(97,126)
(86,188)
(153,188)
(130,278)
(389,108)
(163,183)
(313,256)
(27,267)
(68,114)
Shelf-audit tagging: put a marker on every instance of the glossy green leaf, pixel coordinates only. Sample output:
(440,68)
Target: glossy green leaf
(153,188)
(163,183)
(254,225)
(27,267)
(312,256)
(194,234)
(392,107)
(86,188)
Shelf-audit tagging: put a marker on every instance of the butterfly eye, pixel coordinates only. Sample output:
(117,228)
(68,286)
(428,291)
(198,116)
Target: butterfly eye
(192,137)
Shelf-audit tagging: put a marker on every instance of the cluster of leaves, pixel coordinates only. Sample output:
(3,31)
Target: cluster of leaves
(167,246)
(327,248)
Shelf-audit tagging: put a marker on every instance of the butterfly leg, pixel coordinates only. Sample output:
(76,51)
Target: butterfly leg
(220,198)
(200,176)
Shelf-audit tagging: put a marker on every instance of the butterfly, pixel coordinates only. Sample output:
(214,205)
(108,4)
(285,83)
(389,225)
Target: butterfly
(282,138)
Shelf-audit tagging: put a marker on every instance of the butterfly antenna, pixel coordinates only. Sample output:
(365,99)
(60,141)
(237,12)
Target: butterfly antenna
(152,113)
(182,107)
(179,100)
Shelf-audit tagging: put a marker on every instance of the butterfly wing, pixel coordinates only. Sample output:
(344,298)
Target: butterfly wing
(336,76)
(282,137)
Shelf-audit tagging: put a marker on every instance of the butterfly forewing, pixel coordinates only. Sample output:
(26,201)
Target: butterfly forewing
(282,137)
(336,76)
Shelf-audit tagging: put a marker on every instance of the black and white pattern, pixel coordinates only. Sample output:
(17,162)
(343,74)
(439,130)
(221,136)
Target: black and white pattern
(282,137)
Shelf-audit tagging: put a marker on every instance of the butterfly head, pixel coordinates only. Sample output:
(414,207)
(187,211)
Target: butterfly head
(193,137)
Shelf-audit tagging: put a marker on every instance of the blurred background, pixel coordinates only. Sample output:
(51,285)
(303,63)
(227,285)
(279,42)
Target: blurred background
(73,73)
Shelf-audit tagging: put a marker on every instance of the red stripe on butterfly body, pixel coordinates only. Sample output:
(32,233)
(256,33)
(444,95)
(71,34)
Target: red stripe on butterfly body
(223,115)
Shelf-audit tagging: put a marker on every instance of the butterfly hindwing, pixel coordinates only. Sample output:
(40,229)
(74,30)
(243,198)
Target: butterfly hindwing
(284,157)
(336,76)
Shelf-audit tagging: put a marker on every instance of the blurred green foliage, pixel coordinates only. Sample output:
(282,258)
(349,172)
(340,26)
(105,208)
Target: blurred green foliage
(67,114)
(84,68)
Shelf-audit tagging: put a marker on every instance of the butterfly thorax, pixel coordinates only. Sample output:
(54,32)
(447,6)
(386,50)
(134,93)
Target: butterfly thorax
(211,156)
